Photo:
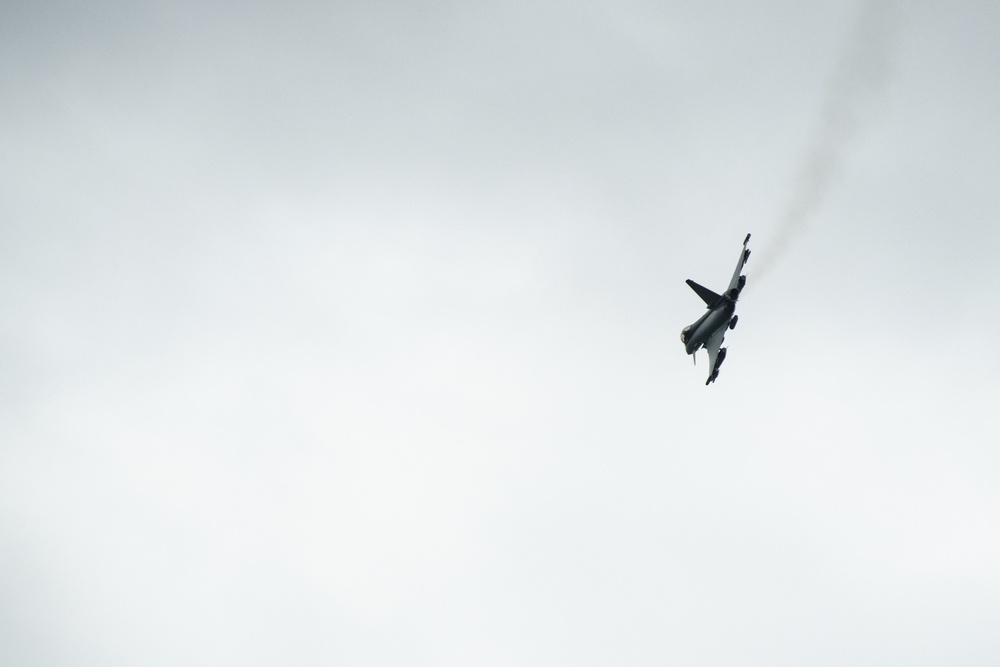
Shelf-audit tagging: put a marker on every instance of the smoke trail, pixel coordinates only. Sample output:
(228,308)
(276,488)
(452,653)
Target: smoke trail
(860,76)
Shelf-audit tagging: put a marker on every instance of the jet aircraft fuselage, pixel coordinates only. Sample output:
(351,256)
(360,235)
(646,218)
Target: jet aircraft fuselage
(696,335)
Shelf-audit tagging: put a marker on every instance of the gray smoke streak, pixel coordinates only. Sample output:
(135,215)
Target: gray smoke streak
(861,75)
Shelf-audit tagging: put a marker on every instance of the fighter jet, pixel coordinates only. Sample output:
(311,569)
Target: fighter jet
(710,328)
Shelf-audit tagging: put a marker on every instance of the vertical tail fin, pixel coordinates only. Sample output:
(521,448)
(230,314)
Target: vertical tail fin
(708,296)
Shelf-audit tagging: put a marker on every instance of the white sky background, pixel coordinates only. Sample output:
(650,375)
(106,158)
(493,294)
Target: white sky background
(348,334)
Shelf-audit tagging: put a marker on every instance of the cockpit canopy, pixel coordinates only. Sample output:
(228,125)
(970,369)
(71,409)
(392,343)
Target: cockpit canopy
(685,334)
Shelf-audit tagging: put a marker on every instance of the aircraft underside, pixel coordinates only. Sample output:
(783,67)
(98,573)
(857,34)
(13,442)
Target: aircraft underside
(709,331)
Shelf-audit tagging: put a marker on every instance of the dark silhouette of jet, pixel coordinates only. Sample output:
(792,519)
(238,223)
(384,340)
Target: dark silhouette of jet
(710,328)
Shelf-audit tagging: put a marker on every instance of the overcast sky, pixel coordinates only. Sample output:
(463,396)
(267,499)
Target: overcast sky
(348,333)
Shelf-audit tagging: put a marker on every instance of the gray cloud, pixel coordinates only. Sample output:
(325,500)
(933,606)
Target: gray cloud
(349,335)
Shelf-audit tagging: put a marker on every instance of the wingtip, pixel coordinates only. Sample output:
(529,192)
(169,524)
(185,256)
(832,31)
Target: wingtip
(746,240)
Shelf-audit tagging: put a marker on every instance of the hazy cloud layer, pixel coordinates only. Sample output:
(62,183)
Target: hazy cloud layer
(349,334)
